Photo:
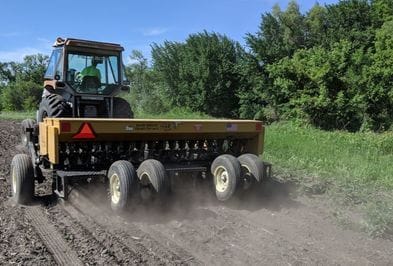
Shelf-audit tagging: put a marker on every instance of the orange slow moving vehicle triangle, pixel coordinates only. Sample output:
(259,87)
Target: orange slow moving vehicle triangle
(85,132)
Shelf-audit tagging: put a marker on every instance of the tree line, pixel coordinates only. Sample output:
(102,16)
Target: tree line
(331,67)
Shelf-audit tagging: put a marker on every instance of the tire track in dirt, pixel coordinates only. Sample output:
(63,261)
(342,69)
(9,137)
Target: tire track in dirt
(141,242)
(187,256)
(206,244)
(59,248)
(93,244)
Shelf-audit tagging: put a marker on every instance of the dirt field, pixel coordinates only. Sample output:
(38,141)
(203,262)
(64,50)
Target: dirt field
(268,226)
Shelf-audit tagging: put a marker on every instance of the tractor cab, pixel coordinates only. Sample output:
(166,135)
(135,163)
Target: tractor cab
(86,75)
(87,67)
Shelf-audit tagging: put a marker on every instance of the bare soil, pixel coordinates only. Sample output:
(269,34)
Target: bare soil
(269,225)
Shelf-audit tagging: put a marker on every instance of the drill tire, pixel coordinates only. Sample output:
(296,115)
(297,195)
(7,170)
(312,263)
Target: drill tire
(22,179)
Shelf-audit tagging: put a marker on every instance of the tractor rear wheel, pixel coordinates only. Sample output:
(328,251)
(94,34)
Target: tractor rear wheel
(226,172)
(153,178)
(53,105)
(26,136)
(122,178)
(121,108)
(22,179)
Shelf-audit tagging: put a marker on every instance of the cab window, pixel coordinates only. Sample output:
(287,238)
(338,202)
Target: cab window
(94,74)
(53,66)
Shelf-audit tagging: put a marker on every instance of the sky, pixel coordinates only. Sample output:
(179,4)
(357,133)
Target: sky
(31,26)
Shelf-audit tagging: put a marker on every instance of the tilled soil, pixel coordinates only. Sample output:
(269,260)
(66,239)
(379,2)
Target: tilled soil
(19,243)
(269,225)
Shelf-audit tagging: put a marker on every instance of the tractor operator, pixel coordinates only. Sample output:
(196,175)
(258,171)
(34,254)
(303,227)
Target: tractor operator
(92,71)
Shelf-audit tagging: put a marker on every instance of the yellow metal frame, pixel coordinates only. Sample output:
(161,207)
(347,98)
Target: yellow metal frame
(55,130)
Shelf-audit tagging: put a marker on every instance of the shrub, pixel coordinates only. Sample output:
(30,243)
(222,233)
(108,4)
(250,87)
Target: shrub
(21,95)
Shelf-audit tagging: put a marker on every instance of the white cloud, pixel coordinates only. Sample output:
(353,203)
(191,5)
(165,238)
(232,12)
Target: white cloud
(154,31)
(17,55)
(42,46)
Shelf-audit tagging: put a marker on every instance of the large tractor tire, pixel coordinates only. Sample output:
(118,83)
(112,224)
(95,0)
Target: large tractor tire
(26,136)
(252,169)
(154,179)
(122,109)
(22,179)
(226,171)
(53,105)
(122,177)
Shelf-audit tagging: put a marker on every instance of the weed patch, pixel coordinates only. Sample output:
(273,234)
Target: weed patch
(355,169)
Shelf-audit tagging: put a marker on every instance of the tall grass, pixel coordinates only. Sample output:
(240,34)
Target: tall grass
(5,115)
(176,113)
(359,158)
(356,167)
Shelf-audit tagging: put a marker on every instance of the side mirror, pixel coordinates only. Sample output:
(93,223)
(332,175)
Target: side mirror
(125,88)
(57,77)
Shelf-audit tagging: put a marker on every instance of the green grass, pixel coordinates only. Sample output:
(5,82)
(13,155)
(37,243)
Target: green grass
(180,113)
(5,115)
(355,168)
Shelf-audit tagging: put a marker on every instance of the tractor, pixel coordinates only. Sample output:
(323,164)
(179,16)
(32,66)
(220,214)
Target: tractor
(84,131)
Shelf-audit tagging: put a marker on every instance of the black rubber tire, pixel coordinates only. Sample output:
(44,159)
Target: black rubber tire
(229,164)
(251,164)
(53,105)
(125,172)
(22,179)
(26,136)
(156,175)
(121,108)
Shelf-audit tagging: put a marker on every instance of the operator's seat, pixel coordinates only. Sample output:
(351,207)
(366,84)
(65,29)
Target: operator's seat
(90,82)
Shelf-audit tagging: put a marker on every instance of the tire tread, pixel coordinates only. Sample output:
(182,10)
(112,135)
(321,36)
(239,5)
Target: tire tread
(21,163)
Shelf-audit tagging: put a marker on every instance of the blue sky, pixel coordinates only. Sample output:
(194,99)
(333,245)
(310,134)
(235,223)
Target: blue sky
(29,27)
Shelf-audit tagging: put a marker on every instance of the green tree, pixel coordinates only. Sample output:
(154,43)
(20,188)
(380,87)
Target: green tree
(382,11)
(280,34)
(317,25)
(314,86)
(7,72)
(22,83)
(145,96)
(379,75)
(350,20)
(201,73)
(32,68)
(21,96)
